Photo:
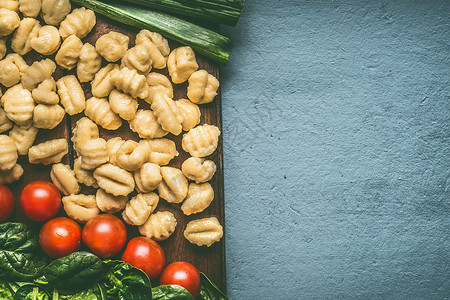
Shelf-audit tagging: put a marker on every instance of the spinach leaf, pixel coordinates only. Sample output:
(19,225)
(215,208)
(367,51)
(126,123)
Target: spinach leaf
(6,293)
(90,294)
(209,290)
(74,272)
(171,292)
(125,282)
(20,257)
(31,292)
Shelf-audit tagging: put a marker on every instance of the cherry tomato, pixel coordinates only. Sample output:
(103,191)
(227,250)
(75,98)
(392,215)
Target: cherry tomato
(183,274)
(145,254)
(105,235)
(6,203)
(60,237)
(40,200)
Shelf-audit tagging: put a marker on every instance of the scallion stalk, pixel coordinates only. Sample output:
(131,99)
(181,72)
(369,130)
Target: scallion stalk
(207,42)
(216,11)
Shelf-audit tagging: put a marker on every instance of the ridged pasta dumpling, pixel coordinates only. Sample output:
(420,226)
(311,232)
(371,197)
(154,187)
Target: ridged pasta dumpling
(204,232)
(2,47)
(146,125)
(9,21)
(5,123)
(81,207)
(158,83)
(11,69)
(114,180)
(30,8)
(18,105)
(174,186)
(54,11)
(202,87)
(112,46)
(71,94)
(132,155)
(49,152)
(101,86)
(137,58)
(157,47)
(48,116)
(162,151)
(159,226)
(47,41)
(123,104)
(45,93)
(201,141)
(64,179)
(130,82)
(99,111)
(190,112)
(89,63)
(11,175)
(139,208)
(198,169)
(23,137)
(198,198)
(147,177)
(37,73)
(167,114)
(181,64)
(109,203)
(79,22)
(8,153)
(85,130)
(10,5)
(27,30)
(93,153)
(69,53)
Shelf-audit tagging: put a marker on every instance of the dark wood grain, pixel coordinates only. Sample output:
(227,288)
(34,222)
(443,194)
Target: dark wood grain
(210,260)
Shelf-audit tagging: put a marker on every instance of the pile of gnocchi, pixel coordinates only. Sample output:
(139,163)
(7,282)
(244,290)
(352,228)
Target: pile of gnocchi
(116,168)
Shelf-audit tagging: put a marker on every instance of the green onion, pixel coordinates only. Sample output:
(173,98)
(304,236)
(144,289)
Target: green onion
(204,41)
(217,11)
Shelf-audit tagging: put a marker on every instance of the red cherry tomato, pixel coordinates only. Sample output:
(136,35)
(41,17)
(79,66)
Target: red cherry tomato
(183,274)
(60,237)
(6,203)
(40,200)
(105,235)
(145,254)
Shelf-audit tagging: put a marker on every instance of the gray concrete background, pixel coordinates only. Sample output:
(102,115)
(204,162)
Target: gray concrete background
(336,150)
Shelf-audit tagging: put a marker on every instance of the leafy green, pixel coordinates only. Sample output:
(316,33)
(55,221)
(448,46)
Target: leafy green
(74,272)
(126,282)
(90,294)
(171,292)
(204,41)
(6,293)
(17,237)
(209,290)
(31,292)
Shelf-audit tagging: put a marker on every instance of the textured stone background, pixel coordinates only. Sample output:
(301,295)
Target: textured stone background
(337,150)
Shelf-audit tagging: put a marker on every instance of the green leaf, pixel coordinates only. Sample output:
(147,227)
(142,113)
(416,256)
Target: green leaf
(209,290)
(90,294)
(31,292)
(16,266)
(171,292)
(18,237)
(126,282)
(6,293)
(74,272)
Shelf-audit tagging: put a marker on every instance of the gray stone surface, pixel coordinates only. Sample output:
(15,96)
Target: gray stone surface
(336,150)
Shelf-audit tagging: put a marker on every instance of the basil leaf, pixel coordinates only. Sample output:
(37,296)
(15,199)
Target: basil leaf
(171,292)
(18,237)
(125,282)
(74,272)
(6,293)
(31,292)
(209,290)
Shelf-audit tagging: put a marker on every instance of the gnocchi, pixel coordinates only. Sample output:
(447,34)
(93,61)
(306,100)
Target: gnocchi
(148,177)
(47,41)
(198,169)
(12,175)
(93,153)
(11,69)
(101,85)
(202,87)
(85,177)
(190,112)
(2,47)
(47,116)
(198,198)
(23,137)
(85,130)
(45,93)
(131,155)
(68,55)
(30,8)
(181,64)
(18,105)
(71,94)
(159,226)
(109,203)
(112,46)
(146,125)
(167,114)
(174,186)
(157,47)
(112,145)
(139,208)
(8,153)
(27,30)
(54,11)
(130,82)
(114,180)
(5,123)
(79,22)
(81,208)
(64,179)
(162,151)
(123,104)
(137,58)
(201,141)
(9,21)
(10,4)
(158,83)
(89,63)
(37,73)
(204,231)
(99,111)
(48,152)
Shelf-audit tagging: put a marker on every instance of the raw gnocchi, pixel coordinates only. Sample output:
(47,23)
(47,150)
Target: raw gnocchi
(99,111)
(167,114)
(114,180)
(85,177)
(162,151)
(156,45)
(10,4)
(198,169)
(112,46)
(23,137)
(18,105)
(64,179)
(5,123)
(37,73)
(85,130)
(112,145)
(174,186)
(146,125)
(148,177)
(11,69)
(2,47)
(204,231)
(89,63)
(8,153)
(198,198)
(69,53)
(202,87)
(181,64)
(101,85)
(54,11)
(132,155)
(159,226)
(30,8)
(45,93)
(158,83)
(48,152)
(137,58)
(27,30)
(81,208)
(71,94)
(130,82)
(12,175)
(201,141)
(9,21)
(47,116)
(93,153)
(139,208)
(190,112)
(79,22)
(109,203)
(123,104)
(47,41)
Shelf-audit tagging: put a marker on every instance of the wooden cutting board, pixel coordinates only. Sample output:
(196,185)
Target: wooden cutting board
(210,260)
